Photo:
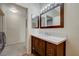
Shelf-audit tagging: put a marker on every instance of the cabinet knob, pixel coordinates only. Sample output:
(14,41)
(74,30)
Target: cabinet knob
(33,48)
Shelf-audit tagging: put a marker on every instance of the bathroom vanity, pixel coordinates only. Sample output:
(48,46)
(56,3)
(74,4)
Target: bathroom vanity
(43,45)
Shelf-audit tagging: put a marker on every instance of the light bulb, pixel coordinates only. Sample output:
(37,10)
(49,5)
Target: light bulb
(14,10)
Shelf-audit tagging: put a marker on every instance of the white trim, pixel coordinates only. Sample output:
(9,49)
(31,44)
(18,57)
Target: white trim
(14,43)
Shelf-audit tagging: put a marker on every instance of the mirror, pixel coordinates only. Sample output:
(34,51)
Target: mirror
(35,22)
(53,18)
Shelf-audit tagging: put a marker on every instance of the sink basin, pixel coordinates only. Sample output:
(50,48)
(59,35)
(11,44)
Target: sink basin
(45,34)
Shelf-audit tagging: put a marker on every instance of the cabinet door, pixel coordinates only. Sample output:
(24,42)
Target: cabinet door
(41,47)
(50,49)
(32,44)
(36,44)
(61,49)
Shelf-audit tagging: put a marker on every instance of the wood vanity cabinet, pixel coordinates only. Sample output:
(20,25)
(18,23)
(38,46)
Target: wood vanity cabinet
(43,48)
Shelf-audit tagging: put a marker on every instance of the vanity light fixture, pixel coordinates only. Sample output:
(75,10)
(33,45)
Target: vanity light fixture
(50,6)
(45,9)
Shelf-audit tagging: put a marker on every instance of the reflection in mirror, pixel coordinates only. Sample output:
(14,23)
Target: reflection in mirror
(53,17)
(35,22)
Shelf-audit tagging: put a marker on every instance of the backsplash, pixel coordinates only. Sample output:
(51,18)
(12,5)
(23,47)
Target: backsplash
(50,32)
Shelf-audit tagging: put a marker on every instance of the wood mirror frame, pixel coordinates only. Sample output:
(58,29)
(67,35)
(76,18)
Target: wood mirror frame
(61,19)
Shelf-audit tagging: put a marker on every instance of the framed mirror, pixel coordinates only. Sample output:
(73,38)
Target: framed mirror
(35,22)
(53,17)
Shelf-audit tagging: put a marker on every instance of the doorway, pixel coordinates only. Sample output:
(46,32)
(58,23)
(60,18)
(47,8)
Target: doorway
(15,21)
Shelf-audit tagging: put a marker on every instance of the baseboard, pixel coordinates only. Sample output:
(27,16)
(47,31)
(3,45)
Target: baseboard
(14,43)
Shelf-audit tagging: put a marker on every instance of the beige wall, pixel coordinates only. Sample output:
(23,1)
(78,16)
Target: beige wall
(0,23)
(71,28)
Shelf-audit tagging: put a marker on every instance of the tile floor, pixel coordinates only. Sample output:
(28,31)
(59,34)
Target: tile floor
(13,50)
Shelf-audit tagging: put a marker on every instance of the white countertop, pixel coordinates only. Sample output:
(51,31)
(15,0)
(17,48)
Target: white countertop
(52,39)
